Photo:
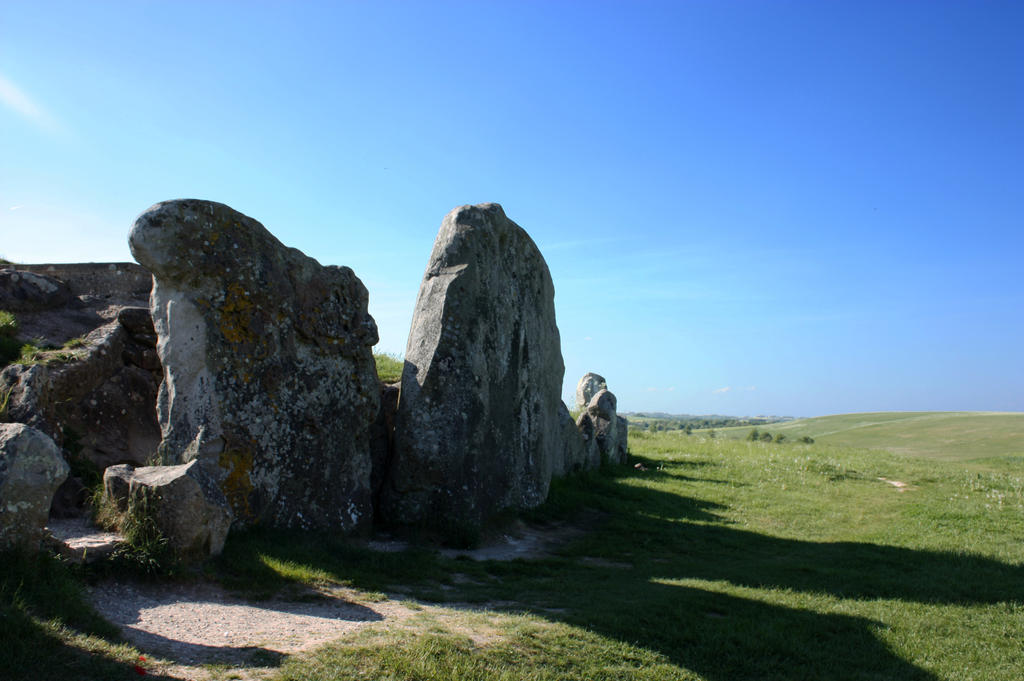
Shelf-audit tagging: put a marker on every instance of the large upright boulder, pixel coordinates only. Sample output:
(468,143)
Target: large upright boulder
(269,379)
(31,470)
(477,428)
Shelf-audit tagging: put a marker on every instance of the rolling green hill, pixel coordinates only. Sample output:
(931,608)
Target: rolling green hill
(945,435)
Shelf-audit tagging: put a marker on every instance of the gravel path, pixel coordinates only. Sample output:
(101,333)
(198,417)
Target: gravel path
(200,624)
(194,629)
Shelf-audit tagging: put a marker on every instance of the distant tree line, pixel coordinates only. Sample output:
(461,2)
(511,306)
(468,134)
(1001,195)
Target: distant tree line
(764,436)
(692,423)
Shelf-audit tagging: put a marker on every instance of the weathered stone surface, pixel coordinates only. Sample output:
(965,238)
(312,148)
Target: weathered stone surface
(26,291)
(477,428)
(576,457)
(621,445)
(604,432)
(269,379)
(31,470)
(589,385)
(92,399)
(175,499)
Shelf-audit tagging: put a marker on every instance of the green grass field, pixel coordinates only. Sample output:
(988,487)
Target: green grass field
(942,435)
(716,560)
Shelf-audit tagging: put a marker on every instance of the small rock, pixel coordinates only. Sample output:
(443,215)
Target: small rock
(174,496)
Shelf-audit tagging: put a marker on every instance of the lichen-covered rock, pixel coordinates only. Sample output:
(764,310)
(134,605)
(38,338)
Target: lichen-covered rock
(589,385)
(92,398)
(477,427)
(31,470)
(605,434)
(269,379)
(22,291)
(173,497)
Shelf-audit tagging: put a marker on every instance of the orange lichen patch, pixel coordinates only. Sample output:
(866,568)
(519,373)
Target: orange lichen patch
(237,486)
(236,315)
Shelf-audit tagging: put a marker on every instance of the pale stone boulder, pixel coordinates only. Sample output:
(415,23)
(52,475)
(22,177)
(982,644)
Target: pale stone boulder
(31,470)
(589,385)
(269,380)
(605,433)
(174,498)
(477,428)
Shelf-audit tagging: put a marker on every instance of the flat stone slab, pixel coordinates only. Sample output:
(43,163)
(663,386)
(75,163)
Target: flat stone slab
(80,541)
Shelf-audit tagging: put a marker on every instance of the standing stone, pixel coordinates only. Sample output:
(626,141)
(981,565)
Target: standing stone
(269,379)
(605,434)
(576,457)
(31,470)
(589,385)
(477,427)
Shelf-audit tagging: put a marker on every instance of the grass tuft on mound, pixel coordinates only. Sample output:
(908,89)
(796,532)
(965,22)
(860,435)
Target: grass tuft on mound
(389,367)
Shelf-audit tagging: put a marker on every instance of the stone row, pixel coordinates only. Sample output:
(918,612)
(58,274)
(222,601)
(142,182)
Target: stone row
(270,411)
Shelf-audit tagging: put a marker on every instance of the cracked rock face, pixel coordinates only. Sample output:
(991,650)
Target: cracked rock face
(269,379)
(477,428)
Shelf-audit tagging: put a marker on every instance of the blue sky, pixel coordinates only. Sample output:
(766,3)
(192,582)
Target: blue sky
(794,208)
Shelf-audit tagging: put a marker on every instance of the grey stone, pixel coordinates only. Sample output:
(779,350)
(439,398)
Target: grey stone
(477,428)
(174,497)
(89,399)
(22,291)
(605,434)
(575,458)
(269,380)
(31,470)
(589,385)
(77,540)
(621,445)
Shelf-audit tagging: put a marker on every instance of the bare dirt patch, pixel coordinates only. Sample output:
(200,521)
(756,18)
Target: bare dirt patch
(900,486)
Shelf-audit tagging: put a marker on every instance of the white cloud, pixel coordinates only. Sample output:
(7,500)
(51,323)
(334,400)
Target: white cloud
(652,390)
(670,388)
(729,388)
(588,338)
(12,97)
(14,208)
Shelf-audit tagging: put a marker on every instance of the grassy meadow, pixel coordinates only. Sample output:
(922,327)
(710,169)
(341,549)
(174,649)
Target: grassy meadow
(977,438)
(714,560)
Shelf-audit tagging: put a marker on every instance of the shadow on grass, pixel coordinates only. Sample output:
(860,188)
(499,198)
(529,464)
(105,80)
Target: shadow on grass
(40,601)
(630,579)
